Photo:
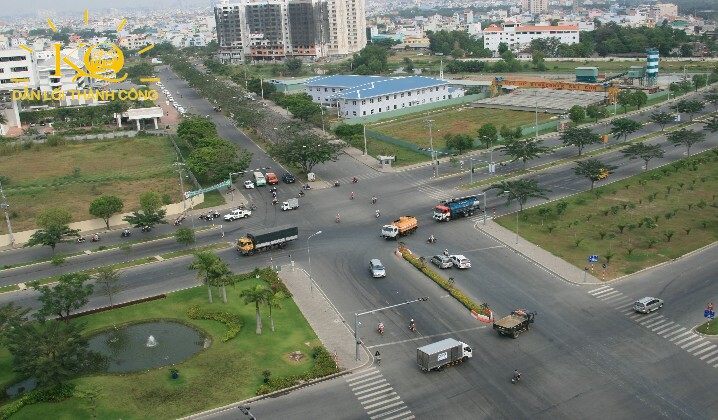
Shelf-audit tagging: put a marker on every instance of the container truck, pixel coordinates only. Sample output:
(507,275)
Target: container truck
(512,325)
(441,354)
(406,225)
(265,239)
(291,204)
(454,208)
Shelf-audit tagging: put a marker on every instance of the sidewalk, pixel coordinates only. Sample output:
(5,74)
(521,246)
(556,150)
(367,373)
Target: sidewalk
(538,255)
(331,328)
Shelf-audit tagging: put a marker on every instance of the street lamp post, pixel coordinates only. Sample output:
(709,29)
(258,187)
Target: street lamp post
(364,125)
(323,130)
(231,190)
(181,165)
(535,113)
(309,257)
(357,315)
(431,148)
(517,217)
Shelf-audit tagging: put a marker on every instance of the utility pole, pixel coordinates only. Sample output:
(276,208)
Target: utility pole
(5,206)
(431,147)
(365,139)
(181,169)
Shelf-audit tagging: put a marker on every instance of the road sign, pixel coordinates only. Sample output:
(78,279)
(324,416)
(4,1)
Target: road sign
(710,306)
(709,314)
(593,258)
(190,194)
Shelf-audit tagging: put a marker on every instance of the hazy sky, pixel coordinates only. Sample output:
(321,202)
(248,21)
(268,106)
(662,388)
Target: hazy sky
(10,8)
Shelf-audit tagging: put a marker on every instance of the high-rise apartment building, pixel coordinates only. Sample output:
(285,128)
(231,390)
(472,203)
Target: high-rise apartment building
(278,29)
(535,7)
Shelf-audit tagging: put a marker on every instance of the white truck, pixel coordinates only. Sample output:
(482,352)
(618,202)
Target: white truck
(291,204)
(237,214)
(441,354)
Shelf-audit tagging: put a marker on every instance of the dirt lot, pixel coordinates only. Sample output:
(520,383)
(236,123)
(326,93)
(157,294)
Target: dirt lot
(73,175)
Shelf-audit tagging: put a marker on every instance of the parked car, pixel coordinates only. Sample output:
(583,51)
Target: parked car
(248,184)
(376,268)
(460,261)
(288,178)
(648,305)
(442,261)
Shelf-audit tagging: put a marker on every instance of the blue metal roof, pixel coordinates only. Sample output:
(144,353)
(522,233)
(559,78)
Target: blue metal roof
(342,80)
(390,85)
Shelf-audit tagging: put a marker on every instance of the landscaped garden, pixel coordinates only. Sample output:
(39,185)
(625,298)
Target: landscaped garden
(72,174)
(232,368)
(631,224)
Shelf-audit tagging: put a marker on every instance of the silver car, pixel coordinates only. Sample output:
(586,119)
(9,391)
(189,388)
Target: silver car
(648,305)
(376,268)
(442,261)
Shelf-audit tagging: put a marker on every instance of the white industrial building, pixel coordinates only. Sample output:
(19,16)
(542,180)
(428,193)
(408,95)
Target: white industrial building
(518,37)
(359,96)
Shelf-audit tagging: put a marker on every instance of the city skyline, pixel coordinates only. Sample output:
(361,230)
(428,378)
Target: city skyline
(31,7)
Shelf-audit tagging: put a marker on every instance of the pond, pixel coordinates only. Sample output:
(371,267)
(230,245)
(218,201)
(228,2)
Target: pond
(148,345)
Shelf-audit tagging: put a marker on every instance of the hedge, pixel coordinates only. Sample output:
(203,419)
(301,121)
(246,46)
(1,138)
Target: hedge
(55,394)
(233,322)
(324,365)
(453,291)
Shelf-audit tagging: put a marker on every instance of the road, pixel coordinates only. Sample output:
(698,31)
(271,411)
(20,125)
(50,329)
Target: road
(586,356)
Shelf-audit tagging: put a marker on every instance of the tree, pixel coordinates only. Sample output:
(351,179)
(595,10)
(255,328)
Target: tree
(259,295)
(576,113)
(460,142)
(261,88)
(520,190)
(699,80)
(686,138)
(409,68)
(185,236)
(625,99)
(105,207)
(206,264)
(12,316)
(712,98)
(293,65)
(106,278)
(579,137)
(503,47)
(195,128)
(50,352)
(488,134)
(141,220)
(507,134)
(216,157)
(306,151)
(689,107)
(640,98)
(523,150)
(643,151)
(53,217)
(622,127)
(596,112)
(711,124)
(274,301)
(593,169)
(68,295)
(52,236)
(371,59)
(150,202)
(662,118)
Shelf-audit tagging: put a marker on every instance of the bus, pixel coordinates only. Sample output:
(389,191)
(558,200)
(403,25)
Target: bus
(259,179)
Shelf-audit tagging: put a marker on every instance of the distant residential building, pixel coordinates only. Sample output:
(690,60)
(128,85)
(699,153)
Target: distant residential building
(133,41)
(535,7)
(278,29)
(667,9)
(17,69)
(518,37)
(360,96)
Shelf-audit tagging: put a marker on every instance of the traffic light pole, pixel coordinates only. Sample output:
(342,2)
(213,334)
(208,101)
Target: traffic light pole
(356,319)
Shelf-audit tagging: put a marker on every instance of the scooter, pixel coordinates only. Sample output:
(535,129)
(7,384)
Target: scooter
(146,228)
(412,326)
(306,187)
(336,183)
(516,378)
(126,233)
(354,180)
(381,330)
(377,214)
(301,193)
(96,238)
(80,240)
(431,240)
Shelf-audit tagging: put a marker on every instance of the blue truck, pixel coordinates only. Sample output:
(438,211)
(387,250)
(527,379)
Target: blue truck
(454,208)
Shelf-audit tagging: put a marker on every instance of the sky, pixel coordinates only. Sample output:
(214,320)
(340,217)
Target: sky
(13,8)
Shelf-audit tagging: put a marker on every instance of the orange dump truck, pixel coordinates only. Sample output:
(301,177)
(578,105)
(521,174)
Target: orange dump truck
(406,225)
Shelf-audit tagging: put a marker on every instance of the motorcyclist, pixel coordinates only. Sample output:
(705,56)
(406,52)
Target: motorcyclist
(355,180)
(432,239)
(381,328)
(412,325)
(517,375)
(352,195)
(96,237)
(377,213)
(446,252)
(373,199)
(338,218)
(336,183)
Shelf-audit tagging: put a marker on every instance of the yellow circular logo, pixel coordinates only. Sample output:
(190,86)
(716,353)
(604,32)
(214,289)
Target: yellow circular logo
(104,58)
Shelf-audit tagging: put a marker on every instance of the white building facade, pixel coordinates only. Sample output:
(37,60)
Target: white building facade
(518,37)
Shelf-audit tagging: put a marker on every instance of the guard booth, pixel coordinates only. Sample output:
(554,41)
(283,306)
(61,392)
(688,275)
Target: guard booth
(385,161)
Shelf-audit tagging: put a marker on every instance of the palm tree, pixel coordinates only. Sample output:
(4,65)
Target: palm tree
(523,150)
(520,190)
(205,263)
(275,301)
(259,295)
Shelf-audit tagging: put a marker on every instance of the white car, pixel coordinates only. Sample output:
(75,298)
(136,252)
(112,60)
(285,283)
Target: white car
(248,184)
(237,214)
(460,261)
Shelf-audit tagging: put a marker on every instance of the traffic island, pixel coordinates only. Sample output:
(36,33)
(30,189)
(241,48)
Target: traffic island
(709,329)
(480,312)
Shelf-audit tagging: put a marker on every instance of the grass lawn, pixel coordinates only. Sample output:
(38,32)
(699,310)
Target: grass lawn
(616,221)
(73,175)
(463,120)
(225,372)
(709,328)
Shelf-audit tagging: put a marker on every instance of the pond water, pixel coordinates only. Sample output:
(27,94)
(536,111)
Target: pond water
(147,345)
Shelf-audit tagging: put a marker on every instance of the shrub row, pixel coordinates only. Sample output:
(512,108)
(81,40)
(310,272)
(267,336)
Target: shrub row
(324,365)
(453,291)
(55,394)
(233,321)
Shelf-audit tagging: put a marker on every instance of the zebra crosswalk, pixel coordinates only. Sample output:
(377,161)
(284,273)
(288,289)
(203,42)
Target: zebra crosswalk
(682,337)
(377,396)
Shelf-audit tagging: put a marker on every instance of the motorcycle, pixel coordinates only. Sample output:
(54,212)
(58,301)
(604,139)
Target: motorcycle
(412,327)
(373,200)
(146,228)
(96,238)
(381,329)
(431,240)
(126,233)
(301,193)
(80,240)
(336,183)
(516,377)
(354,180)
(306,187)
(338,219)
(377,214)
